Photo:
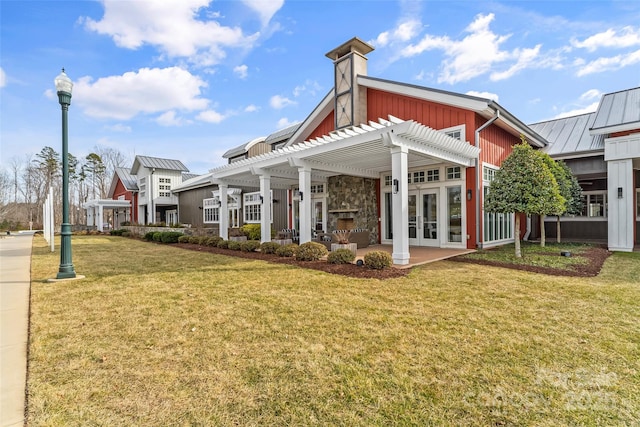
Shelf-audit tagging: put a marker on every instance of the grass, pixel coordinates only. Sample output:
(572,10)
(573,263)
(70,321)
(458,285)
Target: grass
(535,255)
(159,336)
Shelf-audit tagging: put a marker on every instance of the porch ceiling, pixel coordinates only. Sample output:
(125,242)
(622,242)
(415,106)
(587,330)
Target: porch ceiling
(358,151)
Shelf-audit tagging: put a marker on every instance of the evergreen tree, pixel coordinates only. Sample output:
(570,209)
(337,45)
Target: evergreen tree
(523,185)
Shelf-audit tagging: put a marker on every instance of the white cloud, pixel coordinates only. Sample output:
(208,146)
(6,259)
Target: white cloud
(609,64)
(3,78)
(475,54)
(590,94)
(251,108)
(264,8)
(170,119)
(627,37)
(588,109)
(241,71)
(172,26)
(284,123)
(211,116)
(405,31)
(119,128)
(149,90)
(487,95)
(278,102)
(310,86)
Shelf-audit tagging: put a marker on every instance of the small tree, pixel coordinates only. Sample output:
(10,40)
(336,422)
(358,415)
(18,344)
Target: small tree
(572,192)
(554,206)
(523,185)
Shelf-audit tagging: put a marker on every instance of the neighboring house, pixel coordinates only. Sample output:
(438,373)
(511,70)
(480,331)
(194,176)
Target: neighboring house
(603,151)
(122,201)
(156,178)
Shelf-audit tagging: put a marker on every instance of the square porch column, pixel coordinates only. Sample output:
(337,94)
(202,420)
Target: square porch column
(621,215)
(100,218)
(304,183)
(400,200)
(223,212)
(265,208)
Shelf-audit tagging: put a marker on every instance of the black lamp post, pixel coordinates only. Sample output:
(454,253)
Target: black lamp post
(66,271)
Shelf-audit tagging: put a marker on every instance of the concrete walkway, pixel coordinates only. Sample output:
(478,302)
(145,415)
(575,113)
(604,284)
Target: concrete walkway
(15,284)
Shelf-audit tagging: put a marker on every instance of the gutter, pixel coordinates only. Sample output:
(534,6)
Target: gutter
(478,189)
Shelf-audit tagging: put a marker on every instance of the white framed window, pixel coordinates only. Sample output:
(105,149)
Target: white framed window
(457,132)
(164,180)
(317,189)
(433,175)
(418,176)
(164,187)
(594,204)
(496,227)
(387,181)
(253,207)
(454,172)
(165,194)
(143,187)
(210,211)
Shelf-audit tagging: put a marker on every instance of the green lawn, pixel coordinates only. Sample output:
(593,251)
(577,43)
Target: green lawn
(160,336)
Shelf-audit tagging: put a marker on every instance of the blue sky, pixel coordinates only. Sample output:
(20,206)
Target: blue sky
(190,79)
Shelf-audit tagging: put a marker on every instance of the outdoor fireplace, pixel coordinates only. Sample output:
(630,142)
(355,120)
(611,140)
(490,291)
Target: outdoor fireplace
(345,224)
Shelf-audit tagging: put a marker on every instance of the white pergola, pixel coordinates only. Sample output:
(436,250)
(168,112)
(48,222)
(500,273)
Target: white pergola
(364,151)
(95,210)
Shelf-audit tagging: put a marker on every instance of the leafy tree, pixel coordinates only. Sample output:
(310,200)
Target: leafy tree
(523,185)
(571,191)
(554,207)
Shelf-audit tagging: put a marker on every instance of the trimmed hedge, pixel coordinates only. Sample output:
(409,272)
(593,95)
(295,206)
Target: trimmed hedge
(234,245)
(213,241)
(341,256)
(170,236)
(223,244)
(269,247)
(378,260)
(250,245)
(184,239)
(311,251)
(149,235)
(157,236)
(288,250)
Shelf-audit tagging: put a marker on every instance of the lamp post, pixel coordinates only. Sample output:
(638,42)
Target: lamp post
(66,271)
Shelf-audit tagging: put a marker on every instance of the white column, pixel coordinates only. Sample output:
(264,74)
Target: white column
(621,215)
(265,208)
(400,200)
(90,220)
(100,218)
(224,211)
(304,183)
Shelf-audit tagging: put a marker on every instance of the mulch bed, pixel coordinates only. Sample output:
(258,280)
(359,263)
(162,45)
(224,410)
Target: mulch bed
(595,255)
(349,270)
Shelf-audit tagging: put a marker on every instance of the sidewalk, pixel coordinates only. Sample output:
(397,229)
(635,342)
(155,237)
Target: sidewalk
(15,282)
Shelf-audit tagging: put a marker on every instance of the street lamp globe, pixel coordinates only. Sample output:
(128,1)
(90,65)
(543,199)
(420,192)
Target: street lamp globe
(63,83)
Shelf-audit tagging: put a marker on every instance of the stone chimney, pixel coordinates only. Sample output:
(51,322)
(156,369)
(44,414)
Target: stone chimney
(349,61)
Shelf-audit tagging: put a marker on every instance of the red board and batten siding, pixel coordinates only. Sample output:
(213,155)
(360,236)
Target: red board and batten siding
(128,195)
(327,126)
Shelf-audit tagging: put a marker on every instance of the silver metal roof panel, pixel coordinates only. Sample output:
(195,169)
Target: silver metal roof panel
(618,111)
(569,135)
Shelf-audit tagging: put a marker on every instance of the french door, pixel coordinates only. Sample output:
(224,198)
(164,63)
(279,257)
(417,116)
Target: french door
(423,217)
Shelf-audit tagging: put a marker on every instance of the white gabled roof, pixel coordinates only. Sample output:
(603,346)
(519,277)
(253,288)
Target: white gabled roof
(362,150)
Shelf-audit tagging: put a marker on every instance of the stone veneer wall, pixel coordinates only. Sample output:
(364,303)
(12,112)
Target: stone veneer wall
(350,192)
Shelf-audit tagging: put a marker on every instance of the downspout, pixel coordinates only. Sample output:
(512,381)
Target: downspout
(478,188)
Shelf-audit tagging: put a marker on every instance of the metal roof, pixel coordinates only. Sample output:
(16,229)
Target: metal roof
(242,149)
(186,176)
(282,134)
(618,111)
(129,181)
(158,163)
(569,135)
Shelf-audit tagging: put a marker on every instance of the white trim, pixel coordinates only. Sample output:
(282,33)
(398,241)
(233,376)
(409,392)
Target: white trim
(461,128)
(613,129)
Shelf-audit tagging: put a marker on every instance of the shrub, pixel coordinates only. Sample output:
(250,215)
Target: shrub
(234,246)
(184,239)
(212,241)
(250,245)
(149,235)
(170,236)
(194,239)
(269,247)
(311,251)
(252,231)
(157,236)
(341,256)
(378,260)
(288,250)
(116,232)
(223,244)
(126,233)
